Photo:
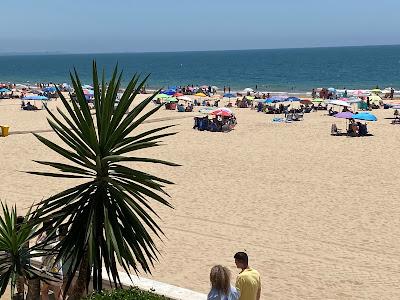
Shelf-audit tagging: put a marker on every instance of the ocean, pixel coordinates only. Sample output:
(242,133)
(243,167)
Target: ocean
(294,70)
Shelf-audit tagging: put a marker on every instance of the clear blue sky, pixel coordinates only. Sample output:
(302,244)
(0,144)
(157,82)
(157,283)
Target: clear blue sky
(180,25)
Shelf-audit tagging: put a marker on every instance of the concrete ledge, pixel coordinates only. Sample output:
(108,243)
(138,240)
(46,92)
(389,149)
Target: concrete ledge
(145,284)
(160,288)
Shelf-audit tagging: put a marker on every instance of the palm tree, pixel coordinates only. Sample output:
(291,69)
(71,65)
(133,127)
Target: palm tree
(15,252)
(109,216)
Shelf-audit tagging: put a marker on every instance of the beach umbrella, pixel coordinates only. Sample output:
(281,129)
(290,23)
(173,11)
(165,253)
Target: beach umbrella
(35,97)
(215,88)
(225,112)
(375,98)
(339,103)
(50,89)
(216,96)
(293,99)
(229,95)
(169,92)
(184,98)
(269,100)
(200,95)
(248,90)
(171,99)
(353,100)
(206,110)
(344,115)
(250,97)
(305,101)
(331,89)
(365,117)
(87,86)
(376,91)
(358,93)
(88,92)
(161,96)
(178,95)
(318,100)
(4,90)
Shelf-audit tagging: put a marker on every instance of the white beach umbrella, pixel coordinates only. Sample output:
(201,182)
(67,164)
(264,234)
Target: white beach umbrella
(184,98)
(247,90)
(339,103)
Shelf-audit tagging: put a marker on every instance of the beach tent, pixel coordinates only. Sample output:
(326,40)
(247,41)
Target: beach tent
(4,90)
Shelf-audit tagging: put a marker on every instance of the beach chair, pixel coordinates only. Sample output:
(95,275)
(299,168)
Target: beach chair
(335,130)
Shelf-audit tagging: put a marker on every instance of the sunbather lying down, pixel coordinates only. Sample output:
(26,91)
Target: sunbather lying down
(28,106)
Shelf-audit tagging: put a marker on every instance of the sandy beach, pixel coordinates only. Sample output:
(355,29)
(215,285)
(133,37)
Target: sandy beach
(317,214)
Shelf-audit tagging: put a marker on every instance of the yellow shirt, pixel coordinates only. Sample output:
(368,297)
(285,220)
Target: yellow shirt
(248,282)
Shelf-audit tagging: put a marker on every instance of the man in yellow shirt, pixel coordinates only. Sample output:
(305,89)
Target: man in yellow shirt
(248,282)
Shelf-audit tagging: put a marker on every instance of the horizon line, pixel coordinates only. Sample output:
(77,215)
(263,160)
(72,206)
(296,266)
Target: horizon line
(27,53)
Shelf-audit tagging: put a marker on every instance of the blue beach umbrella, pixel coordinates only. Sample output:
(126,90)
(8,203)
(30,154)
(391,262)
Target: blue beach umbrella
(229,95)
(292,99)
(169,92)
(35,97)
(4,90)
(50,89)
(365,117)
(269,100)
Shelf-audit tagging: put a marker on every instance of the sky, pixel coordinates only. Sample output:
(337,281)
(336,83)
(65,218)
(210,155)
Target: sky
(104,26)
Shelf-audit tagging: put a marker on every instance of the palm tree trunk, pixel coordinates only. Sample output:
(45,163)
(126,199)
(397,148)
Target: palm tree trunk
(33,289)
(20,288)
(79,289)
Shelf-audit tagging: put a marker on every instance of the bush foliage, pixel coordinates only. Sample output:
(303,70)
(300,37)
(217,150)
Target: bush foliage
(127,294)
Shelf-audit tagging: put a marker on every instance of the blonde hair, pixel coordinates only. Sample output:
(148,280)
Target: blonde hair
(220,278)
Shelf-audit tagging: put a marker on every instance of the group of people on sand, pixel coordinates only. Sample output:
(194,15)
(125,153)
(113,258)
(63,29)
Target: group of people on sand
(248,281)
(215,123)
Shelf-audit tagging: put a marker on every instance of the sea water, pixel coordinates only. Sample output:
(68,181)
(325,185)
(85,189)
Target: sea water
(269,70)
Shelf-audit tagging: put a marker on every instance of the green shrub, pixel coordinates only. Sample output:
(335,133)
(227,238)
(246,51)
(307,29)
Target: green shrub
(128,294)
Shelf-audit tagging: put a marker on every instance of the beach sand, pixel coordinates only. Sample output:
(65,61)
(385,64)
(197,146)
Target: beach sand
(317,214)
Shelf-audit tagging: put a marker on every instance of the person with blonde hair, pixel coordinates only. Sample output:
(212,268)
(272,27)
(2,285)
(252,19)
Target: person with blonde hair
(221,288)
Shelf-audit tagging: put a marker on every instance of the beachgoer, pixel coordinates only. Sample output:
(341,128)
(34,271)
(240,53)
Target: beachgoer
(391,93)
(248,282)
(221,288)
(229,89)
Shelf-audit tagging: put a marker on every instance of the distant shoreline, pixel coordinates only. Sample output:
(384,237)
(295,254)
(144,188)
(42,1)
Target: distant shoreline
(40,53)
